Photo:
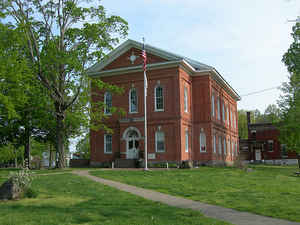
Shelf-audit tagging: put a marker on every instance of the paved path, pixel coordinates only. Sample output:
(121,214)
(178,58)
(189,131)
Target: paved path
(217,212)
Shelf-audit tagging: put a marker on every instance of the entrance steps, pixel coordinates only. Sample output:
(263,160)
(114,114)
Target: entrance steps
(125,163)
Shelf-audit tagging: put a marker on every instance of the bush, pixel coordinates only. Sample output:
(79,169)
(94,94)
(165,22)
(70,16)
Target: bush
(22,179)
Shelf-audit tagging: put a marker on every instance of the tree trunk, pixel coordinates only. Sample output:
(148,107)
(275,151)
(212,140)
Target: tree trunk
(60,141)
(298,157)
(16,158)
(50,156)
(27,149)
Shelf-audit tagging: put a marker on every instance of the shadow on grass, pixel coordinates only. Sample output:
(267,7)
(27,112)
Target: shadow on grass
(69,199)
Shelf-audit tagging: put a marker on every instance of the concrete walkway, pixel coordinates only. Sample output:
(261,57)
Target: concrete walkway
(217,212)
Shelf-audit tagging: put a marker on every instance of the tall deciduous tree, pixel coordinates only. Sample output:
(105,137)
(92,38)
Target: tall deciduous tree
(64,37)
(290,99)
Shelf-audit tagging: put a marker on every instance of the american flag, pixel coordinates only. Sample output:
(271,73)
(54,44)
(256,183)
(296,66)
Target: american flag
(144,56)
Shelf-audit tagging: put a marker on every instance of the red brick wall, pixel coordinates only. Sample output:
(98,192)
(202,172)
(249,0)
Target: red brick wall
(174,121)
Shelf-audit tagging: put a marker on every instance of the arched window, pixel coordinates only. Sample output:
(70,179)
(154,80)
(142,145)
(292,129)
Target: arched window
(160,141)
(225,152)
(202,142)
(223,112)
(227,113)
(185,99)
(215,144)
(159,98)
(219,108)
(107,103)
(213,105)
(186,140)
(133,101)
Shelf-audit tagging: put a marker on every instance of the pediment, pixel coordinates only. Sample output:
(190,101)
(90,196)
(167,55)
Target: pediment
(123,56)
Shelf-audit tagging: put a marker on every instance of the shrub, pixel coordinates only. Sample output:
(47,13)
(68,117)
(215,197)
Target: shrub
(22,179)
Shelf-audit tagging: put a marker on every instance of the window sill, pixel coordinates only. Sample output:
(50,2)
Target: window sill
(133,112)
(109,153)
(159,110)
(202,151)
(107,114)
(160,152)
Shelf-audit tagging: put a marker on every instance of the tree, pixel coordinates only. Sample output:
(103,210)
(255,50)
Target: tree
(272,114)
(289,101)
(25,105)
(83,147)
(62,44)
(243,126)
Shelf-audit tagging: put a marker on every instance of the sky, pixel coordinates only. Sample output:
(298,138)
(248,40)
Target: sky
(244,40)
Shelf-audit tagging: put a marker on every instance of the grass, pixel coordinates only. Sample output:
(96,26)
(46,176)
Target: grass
(268,190)
(69,199)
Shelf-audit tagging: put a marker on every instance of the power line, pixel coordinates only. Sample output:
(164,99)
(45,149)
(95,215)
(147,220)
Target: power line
(258,92)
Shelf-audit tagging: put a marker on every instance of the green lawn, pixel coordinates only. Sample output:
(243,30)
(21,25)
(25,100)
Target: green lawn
(70,199)
(268,190)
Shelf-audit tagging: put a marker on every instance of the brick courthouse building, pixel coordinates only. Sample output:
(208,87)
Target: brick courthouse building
(191,109)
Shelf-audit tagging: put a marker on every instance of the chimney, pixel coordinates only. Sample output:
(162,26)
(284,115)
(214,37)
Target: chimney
(248,118)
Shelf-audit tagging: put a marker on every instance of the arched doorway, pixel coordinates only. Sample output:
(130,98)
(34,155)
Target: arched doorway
(132,137)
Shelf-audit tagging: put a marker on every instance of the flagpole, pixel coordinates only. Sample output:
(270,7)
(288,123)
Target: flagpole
(145,105)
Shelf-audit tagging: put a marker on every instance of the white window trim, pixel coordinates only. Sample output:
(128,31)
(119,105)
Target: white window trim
(225,146)
(219,108)
(185,96)
(155,105)
(213,104)
(105,100)
(215,143)
(271,141)
(186,135)
(156,150)
(137,102)
(227,113)
(202,132)
(220,145)
(105,151)
(223,112)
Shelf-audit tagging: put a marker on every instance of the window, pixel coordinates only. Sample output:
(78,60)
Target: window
(107,143)
(225,146)
(159,141)
(223,112)
(133,101)
(232,147)
(186,141)
(227,113)
(231,118)
(228,146)
(234,121)
(220,145)
(236,152)
(284,153)
(213,105)
(185,100)
(270,145)
(219,108)
(159,99)
(202,142)
(214,142)
(107,103)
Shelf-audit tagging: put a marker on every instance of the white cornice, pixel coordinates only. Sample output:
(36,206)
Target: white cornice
(125,70)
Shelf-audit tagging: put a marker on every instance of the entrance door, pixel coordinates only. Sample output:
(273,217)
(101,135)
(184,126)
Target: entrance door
(132,145)
(257,154)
